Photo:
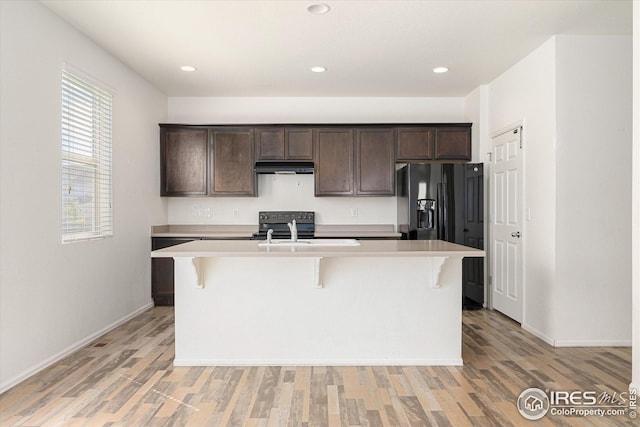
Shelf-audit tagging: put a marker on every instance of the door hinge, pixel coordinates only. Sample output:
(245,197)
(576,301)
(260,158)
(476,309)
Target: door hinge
(520,138)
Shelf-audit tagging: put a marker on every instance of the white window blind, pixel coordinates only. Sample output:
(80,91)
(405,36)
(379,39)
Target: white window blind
(87,211)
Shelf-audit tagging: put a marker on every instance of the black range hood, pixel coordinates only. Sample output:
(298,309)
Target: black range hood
(284,167)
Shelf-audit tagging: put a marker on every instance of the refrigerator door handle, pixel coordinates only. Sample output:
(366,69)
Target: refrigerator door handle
(442,219)
(445,212)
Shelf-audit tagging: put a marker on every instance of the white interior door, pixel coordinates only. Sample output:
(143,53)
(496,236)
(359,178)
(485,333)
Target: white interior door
(506,223)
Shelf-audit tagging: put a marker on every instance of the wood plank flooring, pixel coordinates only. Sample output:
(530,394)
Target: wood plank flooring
(126,378)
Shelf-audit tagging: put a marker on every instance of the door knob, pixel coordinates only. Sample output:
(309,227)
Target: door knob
(515,234)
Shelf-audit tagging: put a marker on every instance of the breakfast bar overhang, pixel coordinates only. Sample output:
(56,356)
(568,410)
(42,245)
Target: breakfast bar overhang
(375,302)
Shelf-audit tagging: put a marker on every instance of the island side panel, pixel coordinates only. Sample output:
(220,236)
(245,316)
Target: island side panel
(370,311)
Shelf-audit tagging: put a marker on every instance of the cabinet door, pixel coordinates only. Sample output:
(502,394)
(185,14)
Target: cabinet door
(232,163)
(453,143)
(162,281)
(375,163)
(183,162)
(270,143)
(162,285)
(414,144)
(334,162)
(299,144)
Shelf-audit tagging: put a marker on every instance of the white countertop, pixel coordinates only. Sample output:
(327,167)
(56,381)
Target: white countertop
(367,248)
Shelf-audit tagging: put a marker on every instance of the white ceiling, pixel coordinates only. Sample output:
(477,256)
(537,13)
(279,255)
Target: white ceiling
(370,48)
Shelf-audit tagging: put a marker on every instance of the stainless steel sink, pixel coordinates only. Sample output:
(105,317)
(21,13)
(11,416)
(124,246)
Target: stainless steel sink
(309,242)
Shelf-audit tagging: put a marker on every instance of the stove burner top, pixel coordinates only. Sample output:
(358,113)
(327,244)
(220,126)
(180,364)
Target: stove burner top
(278,220)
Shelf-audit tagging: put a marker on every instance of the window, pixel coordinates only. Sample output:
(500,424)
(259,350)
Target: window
(87,211)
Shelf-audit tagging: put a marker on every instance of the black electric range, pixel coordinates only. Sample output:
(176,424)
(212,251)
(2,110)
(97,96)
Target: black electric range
(278,222)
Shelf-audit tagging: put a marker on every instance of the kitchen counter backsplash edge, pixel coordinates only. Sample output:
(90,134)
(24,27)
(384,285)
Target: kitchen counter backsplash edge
(246,231)
(204,230)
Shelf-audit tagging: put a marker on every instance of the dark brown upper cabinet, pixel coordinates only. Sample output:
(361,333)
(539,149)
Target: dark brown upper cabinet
(375,162)
(269,143)
(350,160)
(452,143)
(207,161)
(232,161)
(183,161)
(334,165)
(414,144)
(435,142)
(298,143)
(280,143)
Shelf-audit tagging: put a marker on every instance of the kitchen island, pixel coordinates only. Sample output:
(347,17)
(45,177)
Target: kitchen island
(375,302)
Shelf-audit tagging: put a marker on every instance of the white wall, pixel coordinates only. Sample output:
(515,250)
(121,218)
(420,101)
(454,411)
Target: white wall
(54,297)
(526,93)
(593,205)
(476,106)
(207,110)
(284,192)
(635,376)
(576,113)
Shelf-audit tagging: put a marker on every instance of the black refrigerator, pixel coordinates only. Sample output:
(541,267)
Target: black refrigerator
(446,202)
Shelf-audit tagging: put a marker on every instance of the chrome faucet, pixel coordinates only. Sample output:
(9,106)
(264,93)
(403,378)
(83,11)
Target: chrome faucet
(269,233)
(294,230)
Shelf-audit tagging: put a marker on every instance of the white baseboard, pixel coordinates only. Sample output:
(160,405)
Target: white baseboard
(538,334)
(67,351)
(593,343)
(576,343)
(318,362)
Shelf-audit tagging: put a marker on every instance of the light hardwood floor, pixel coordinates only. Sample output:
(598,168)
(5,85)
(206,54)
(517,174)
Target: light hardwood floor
(126,378)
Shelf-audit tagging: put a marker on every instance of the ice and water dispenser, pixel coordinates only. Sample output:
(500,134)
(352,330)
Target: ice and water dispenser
(426,213)
(426,208)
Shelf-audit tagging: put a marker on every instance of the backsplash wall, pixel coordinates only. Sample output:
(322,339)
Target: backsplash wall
(282,192)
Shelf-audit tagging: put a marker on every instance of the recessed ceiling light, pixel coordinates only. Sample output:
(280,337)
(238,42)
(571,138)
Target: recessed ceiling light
(440,70)
(319,8)
(318,69)
(188,68)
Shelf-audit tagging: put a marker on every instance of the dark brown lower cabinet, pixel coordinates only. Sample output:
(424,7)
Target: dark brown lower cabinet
(162,271)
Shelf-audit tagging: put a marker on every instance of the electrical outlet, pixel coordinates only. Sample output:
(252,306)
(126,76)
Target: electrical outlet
(236,213)
(354,211)
(203,212)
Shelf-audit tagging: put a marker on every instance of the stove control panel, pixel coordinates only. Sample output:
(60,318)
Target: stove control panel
(284,217)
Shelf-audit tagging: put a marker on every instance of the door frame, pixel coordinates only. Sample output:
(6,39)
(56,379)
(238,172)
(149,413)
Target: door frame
(491,199)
